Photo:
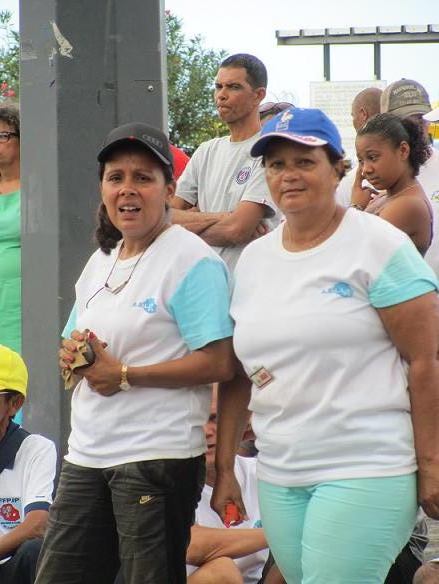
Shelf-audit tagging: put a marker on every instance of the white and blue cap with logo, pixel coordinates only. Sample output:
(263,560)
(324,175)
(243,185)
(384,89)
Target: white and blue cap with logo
(307,126)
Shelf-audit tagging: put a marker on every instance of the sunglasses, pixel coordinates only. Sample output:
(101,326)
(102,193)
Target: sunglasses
(274,107)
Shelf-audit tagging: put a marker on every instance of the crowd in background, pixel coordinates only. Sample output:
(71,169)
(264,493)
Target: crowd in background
(257,301)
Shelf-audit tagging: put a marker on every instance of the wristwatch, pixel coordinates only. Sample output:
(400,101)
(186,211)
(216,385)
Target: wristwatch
(124,384)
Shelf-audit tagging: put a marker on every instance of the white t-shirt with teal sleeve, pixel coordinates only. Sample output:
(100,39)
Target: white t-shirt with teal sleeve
(176,301)
(338,404)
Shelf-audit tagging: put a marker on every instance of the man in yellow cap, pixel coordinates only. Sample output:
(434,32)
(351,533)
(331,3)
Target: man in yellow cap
(27,472)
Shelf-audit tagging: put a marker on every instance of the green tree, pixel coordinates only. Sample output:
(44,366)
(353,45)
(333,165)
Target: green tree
(191,71)
(9,58)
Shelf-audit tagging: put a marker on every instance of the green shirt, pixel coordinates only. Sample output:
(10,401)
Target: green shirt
(10,271)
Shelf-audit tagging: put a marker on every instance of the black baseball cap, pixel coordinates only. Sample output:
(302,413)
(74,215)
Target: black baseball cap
(152,138)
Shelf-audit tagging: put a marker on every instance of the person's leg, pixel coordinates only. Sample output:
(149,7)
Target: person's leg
(218,571)
(80,545)
(404,567)
(283,512)
(354,529)
(20,569)
(154,505)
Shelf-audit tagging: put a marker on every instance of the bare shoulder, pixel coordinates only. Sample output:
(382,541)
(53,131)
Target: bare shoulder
(410,209)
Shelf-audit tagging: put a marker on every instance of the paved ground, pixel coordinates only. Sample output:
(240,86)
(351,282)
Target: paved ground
(432,550)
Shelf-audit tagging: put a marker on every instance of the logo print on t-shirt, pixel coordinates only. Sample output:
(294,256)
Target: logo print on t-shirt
(340,289)
(9,512)
(148,305)
(243,175)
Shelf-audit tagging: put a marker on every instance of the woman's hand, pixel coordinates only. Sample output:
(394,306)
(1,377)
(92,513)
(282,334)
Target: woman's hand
(226,491)
(68,349)
(104,376)
(428,488)
(360,195)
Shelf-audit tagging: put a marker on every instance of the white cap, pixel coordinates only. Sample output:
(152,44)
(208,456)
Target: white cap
(432,116)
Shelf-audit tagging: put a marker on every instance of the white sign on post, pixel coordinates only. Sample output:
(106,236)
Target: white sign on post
(335,99)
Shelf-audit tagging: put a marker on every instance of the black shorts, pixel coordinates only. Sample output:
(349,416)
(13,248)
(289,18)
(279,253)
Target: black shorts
(136,515)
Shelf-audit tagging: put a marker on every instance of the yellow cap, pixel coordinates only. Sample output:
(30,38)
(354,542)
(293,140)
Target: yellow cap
(13,371)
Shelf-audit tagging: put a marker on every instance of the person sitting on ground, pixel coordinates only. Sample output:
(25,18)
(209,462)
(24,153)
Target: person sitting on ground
(27,472)
(217,554)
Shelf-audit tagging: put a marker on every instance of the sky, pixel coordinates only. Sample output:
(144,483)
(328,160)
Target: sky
(238,26)
(250,26)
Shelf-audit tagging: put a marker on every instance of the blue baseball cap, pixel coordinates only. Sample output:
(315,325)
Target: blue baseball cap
(306,126)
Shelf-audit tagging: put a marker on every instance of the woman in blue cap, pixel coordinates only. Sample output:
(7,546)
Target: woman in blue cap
(336,315)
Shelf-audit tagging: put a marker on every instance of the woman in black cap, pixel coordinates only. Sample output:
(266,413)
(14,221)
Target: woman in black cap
(152,304)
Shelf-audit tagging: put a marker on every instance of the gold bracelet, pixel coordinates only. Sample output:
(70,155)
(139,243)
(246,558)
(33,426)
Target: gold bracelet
(124,383)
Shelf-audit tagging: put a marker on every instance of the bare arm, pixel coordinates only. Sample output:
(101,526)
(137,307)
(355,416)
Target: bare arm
(184,214)
(209,543)
(240,226)
(213,362)
(232,419)
(411,215)
(34,525)
(414,328)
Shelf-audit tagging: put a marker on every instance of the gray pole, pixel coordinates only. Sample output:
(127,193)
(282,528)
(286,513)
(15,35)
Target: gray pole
(377,60)
(327,62)
(86,66)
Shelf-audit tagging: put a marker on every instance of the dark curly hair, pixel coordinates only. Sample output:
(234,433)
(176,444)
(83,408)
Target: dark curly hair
(396,130)
(106,234)
(10,114)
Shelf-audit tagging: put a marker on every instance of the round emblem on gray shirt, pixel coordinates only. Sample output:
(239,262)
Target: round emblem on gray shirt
(243,175)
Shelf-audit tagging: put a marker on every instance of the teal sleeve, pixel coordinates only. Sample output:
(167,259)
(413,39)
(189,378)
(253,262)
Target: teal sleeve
(200,304)
(405,276)
(71,324)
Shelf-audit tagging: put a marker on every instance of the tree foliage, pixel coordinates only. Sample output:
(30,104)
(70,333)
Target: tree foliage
(191,73)
(9,58)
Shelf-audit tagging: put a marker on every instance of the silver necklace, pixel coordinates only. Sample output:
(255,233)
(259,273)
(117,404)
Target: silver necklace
(116,289)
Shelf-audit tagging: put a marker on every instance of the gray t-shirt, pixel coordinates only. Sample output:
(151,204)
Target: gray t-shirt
(219,176)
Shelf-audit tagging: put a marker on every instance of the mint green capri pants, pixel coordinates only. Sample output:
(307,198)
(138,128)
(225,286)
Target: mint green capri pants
(340,532)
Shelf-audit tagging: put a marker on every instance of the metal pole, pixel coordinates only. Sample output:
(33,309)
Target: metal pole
(377,60)
(85,67)
(327,62)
